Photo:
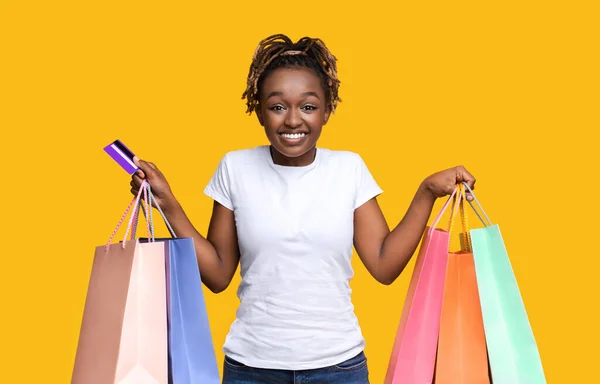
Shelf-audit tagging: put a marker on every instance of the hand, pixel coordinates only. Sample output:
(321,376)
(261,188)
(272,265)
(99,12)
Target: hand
(160,187)
(444,182)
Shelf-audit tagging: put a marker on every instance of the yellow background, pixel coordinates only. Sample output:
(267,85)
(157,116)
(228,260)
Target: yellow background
(508,89)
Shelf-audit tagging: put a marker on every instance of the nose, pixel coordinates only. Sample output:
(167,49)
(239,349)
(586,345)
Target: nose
(293,119)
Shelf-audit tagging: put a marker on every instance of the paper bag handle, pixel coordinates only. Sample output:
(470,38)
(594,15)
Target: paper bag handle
(489,222)
(153,200)
(150,199)
(436,221)
(134,202)
(457,204)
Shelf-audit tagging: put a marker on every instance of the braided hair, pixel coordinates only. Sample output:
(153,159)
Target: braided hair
(279,51)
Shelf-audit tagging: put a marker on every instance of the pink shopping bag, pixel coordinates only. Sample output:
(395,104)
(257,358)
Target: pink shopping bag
(123,336)
(414,352)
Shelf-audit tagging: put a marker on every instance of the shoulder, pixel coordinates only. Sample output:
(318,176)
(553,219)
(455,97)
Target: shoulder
(241,157)
(343,158)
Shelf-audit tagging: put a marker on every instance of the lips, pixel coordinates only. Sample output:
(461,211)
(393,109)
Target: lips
(292,138)
(293,135)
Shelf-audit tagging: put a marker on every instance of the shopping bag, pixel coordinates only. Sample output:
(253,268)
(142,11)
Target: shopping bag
(513,353)
(192,358)
(123,335)
(462,354)
(414,352)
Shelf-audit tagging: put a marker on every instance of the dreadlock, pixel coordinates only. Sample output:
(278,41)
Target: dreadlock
(279,51)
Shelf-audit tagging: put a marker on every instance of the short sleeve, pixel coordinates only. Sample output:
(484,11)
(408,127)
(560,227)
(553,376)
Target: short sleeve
(366,186)
(219,186)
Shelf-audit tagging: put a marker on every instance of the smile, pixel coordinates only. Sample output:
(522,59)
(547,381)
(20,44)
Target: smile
(293,136)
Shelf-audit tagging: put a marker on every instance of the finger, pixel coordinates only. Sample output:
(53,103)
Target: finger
(464,175)
(145,167)
(152,165)
(140,174)
(155,168)
(136,180)
(470,181)
(134,184)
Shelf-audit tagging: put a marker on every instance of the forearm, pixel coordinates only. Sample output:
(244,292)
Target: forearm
(214,275)
(400,244)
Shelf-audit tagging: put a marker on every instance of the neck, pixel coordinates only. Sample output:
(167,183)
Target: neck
(300,161)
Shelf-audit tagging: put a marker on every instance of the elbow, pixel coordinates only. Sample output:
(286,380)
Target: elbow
(388,277)
(217,286)
(386,280)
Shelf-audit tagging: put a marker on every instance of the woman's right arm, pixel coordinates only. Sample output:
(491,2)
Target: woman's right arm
(218,253)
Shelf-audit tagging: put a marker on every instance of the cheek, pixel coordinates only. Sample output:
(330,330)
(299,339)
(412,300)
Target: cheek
(315,120)
(272,122)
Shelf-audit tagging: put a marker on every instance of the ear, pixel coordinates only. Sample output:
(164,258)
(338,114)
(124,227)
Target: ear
(326,115)
(259,115)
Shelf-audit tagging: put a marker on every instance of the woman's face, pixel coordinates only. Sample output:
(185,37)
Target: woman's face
(293,109)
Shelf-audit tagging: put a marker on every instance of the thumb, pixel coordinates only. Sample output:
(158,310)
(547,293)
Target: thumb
(143,166)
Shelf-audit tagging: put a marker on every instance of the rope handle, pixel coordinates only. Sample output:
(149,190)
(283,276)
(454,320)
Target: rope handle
(465,223)
(145,212)
(143,188)
(153,200)
(133,202)
(458,200)
(458,209)
(145,205)
(489,222)
(441,213)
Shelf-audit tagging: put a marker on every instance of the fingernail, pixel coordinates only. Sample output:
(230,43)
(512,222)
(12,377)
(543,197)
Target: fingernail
(136,160)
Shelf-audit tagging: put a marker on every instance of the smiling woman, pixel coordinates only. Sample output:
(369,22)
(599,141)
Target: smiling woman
(293,88)
(293,110)
(289,214)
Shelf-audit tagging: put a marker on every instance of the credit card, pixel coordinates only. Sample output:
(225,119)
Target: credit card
(122,155)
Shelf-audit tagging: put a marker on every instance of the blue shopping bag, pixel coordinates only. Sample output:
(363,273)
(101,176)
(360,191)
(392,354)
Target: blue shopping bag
(513,353)
(192,358)
(191,352)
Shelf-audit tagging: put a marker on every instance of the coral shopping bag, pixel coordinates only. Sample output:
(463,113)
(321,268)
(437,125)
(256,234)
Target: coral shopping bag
(192,358)
(123,336)
(512,349)
(462,354)
(414,351)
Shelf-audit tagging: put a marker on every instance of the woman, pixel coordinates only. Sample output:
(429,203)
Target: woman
(290,213)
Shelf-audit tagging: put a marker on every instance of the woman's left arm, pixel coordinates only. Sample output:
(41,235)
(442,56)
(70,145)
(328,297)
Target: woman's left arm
(385,254)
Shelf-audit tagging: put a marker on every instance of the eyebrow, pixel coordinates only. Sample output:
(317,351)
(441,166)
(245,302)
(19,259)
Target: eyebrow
(279,93)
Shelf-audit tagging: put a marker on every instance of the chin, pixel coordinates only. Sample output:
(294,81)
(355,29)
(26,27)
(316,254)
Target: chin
(293,151)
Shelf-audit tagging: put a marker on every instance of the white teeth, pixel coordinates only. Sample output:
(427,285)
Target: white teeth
(293,135)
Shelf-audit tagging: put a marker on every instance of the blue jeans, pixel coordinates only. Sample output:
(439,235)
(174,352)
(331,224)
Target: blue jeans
(351,371)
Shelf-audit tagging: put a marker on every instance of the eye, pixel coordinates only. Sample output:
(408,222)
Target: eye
(310,108)
(277,108)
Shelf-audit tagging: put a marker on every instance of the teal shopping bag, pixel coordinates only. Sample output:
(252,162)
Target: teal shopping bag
(512,349)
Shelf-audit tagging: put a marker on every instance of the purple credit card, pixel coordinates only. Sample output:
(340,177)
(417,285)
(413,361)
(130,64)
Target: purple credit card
(122,155)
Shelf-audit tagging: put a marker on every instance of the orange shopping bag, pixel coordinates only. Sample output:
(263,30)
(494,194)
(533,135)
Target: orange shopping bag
(462,353)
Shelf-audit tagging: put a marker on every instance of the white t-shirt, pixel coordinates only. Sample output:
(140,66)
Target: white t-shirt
(295,232)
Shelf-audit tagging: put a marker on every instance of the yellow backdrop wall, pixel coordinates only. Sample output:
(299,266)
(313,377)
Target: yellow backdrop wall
(510,90)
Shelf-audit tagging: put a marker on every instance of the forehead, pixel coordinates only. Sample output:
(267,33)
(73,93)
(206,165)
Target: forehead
(292,80)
